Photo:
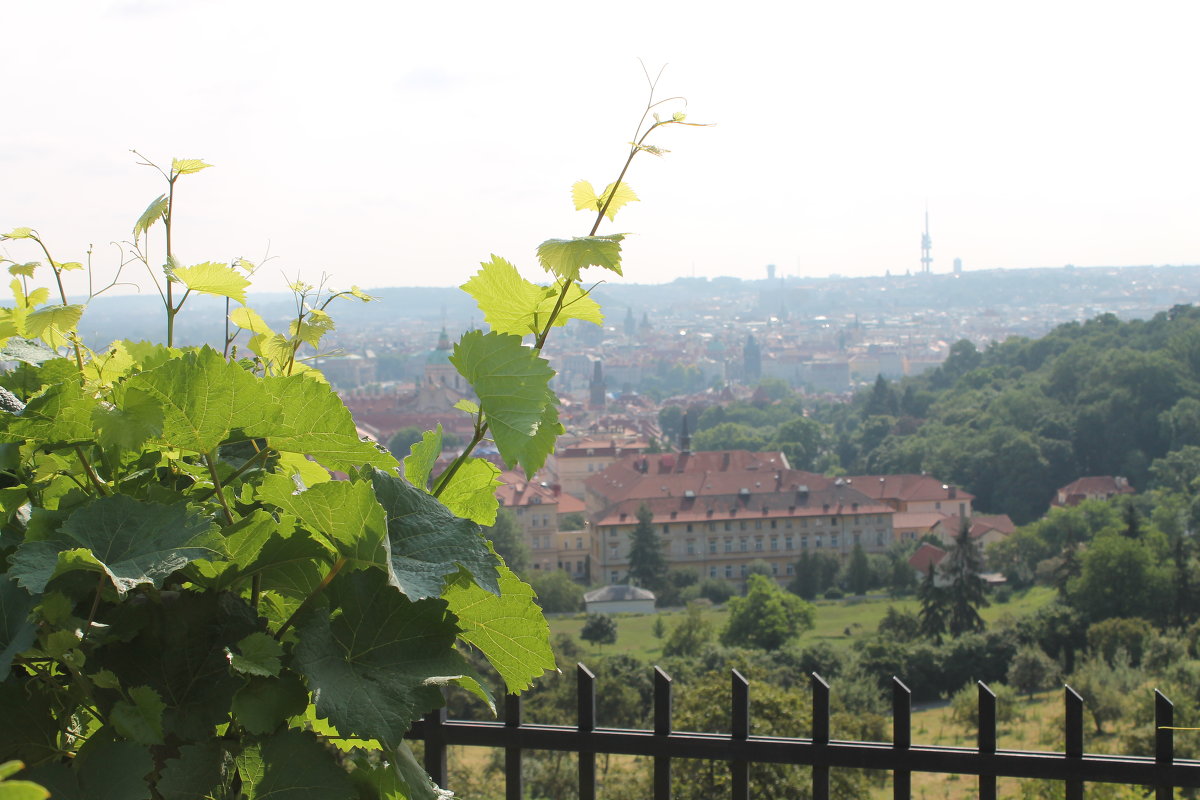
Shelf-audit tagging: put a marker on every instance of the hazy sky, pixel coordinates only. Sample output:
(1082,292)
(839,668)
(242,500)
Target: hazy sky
(400,143)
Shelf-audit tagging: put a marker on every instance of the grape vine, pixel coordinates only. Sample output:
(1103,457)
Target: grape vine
(191,606)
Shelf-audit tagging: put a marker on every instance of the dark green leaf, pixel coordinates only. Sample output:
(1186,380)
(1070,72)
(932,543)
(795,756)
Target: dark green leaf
(103,770)
(375,662)
(345,513)
(427,542)
(264,703)
(198,773)
(293,765)
(258,544)
(16,631)
(130,541)
(140,718)
(257,654)
(29,732)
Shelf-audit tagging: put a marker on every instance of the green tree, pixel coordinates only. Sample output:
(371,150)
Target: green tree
(599,629)
(902,626)
(647,564)
(1130,635)
(766,617)
(572,522)
(403,439)
(556,592)
(509,540)
(689,636)
(1032,670)
(802,440)
(1119,577)
(933,606)
(729,436)
(858,571)
(965,587)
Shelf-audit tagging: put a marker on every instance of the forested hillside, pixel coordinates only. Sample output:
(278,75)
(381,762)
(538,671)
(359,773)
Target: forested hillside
(1014,421)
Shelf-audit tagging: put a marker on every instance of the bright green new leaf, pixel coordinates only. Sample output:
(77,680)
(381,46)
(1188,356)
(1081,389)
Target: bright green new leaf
(401,777)
(511,382)
(106,679)
(509,629)
(248,319)
(60,415)
(108,365)
(264,703)
(257,654)
(186,166)
(273,348)
(66,266)
(204,398)
(346,514)
(25,269)
(316,324)
(469,406)
(140,718)
(360,294)
(422,456)
(314,421)
(566,257)
(372,657)
(153,213)
(16,631)
(585,198)
(292,765)
(195,774)
(135,418)
(576,305)
(132,542)
(326,731)
(427,542)
(214,278)
(471,493)
(10,768)
(509,302)
(52,323)
(531,453)
(19,233)
(311,473)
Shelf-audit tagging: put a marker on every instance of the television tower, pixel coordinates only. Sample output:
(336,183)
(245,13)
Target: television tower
(926,246)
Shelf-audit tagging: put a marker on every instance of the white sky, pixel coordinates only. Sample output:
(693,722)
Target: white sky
(399,143)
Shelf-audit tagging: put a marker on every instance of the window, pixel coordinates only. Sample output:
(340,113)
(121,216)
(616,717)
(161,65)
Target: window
(787,542)
(803,542)
(758,524)
(743,544)
(791,569)
(612,551)
(742,526)
(589,467)
(612,532)
(729,545)
(758,544)
(712,571)
(712,526)
(727,526)
(612,577)
(533,523)
(772,524)
(879,539)
(833,542)
(689,527)
(775,570)
(938,505)
(743,570)
(579,566)
(728,570)
(545,521)
(578,542)
(818,542)
(666,528)
(712,545)
(691,547)
(774,543)
(803,523)
(787,524)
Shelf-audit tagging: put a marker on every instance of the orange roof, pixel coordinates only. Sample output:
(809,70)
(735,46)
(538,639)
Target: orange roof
(925,556)
(916,520)
(909,488)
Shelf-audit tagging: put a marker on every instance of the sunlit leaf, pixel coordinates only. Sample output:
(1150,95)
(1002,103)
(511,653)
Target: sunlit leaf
(566,257)
(25,269)
(423,454)
(214,278)
(18,233)
(471,493)
(186,166)
(153,213)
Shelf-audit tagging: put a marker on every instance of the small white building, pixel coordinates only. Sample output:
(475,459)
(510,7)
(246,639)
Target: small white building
(619,599)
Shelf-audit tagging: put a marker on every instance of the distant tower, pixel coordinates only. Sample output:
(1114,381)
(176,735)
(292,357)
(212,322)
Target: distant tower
(926,247)
(596,388)
(751,361)
(770,272)
(958,266)
(630,323)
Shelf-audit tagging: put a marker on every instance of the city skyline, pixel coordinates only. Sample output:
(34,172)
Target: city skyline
(398,147)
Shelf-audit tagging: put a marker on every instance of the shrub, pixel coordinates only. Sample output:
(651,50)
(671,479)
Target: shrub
(834,593)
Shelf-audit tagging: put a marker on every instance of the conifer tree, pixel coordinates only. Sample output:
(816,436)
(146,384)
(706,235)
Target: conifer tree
(933,610)
(858,572)
(647,564)
(964,584)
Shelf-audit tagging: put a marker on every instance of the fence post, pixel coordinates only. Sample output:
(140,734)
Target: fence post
(740,731)
(585,695)
(901,736)
(435,746)
(987,737)
(514,784)
(662,727)
(820,714)
(1073,722)
(1164,742)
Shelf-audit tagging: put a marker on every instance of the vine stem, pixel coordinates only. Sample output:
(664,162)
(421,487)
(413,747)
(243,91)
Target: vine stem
(62,292)
(212,471)
(95,606)
(260,455)
(308,601)
(91,473)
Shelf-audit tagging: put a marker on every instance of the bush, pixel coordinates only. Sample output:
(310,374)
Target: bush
(557,593)
(964,705)
(834,593)
(599,629)
(715,590)
(1032,670)
(1003,594)
(1121,633)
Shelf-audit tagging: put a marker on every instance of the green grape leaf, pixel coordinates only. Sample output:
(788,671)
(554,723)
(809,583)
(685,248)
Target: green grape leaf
(469,406)
(509,302)
(106,679)
(511,381)
(130,422)
(109,364)
(531,453)
(375,661)
(401,777)
(153,213)
(585,198)
(204,398)
(195,774)
(187,166)
(50,323)
(22,790)
(292,765)
(471,493)
(326,731)
(360,294)
(132,542)
(62,414)
(257,654)
(140,718)
(313,420)
(509,629)
(177,646)
(566,257)
(274,348)
(264,703)
(17,633)
(316,324)
(576,305)
(248,319)
(311,473)
(213,278)
(27,269)
(28,708)
(67,266)
(27,351)
(18,233)
(422,456)
(258,544)
(346,514)
(427,542)
(148,355)
(103,770)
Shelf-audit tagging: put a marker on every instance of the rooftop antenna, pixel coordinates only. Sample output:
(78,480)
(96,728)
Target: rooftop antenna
(926,245)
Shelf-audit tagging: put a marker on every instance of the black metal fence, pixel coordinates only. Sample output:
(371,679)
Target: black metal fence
(900,756)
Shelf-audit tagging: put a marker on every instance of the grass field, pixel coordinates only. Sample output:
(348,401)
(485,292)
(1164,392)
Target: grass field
(635,632)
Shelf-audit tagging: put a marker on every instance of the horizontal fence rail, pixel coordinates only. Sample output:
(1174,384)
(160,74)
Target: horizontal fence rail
(739,748)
